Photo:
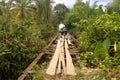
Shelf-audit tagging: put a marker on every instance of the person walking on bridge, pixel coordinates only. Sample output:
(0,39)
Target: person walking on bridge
(62,29)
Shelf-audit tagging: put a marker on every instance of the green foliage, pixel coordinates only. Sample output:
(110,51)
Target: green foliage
(84,40)
(107,25)
(118,48)
(79,74)
(60,10)
(36,67)
(90,74)
(106,44)
(81,11)
(113,6)
(37,76)
(90,59)
(109,62)
(97,31)
(43,65)
(100,52)
(20,47)
(25,29)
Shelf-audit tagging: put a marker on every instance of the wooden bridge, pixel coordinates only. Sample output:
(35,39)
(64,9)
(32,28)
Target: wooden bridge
(62,51)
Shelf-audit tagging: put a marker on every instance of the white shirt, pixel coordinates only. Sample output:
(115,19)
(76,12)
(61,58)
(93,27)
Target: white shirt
(61,26)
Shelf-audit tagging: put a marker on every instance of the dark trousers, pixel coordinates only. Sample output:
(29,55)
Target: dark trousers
(63,33)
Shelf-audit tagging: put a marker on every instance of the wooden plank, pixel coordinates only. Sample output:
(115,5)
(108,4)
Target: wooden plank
(61,57)
(75,40)
(58,66)
(53,64)
(74,51)
(59,63)
(70,67)
(69,42)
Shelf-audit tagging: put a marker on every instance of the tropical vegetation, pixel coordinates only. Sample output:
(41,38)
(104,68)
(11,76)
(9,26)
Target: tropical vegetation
(27,26)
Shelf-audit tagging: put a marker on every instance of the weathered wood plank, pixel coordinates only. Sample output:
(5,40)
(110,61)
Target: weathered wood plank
(59,63)
(61,57)
(53,64)
(70,67)
(69,42)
